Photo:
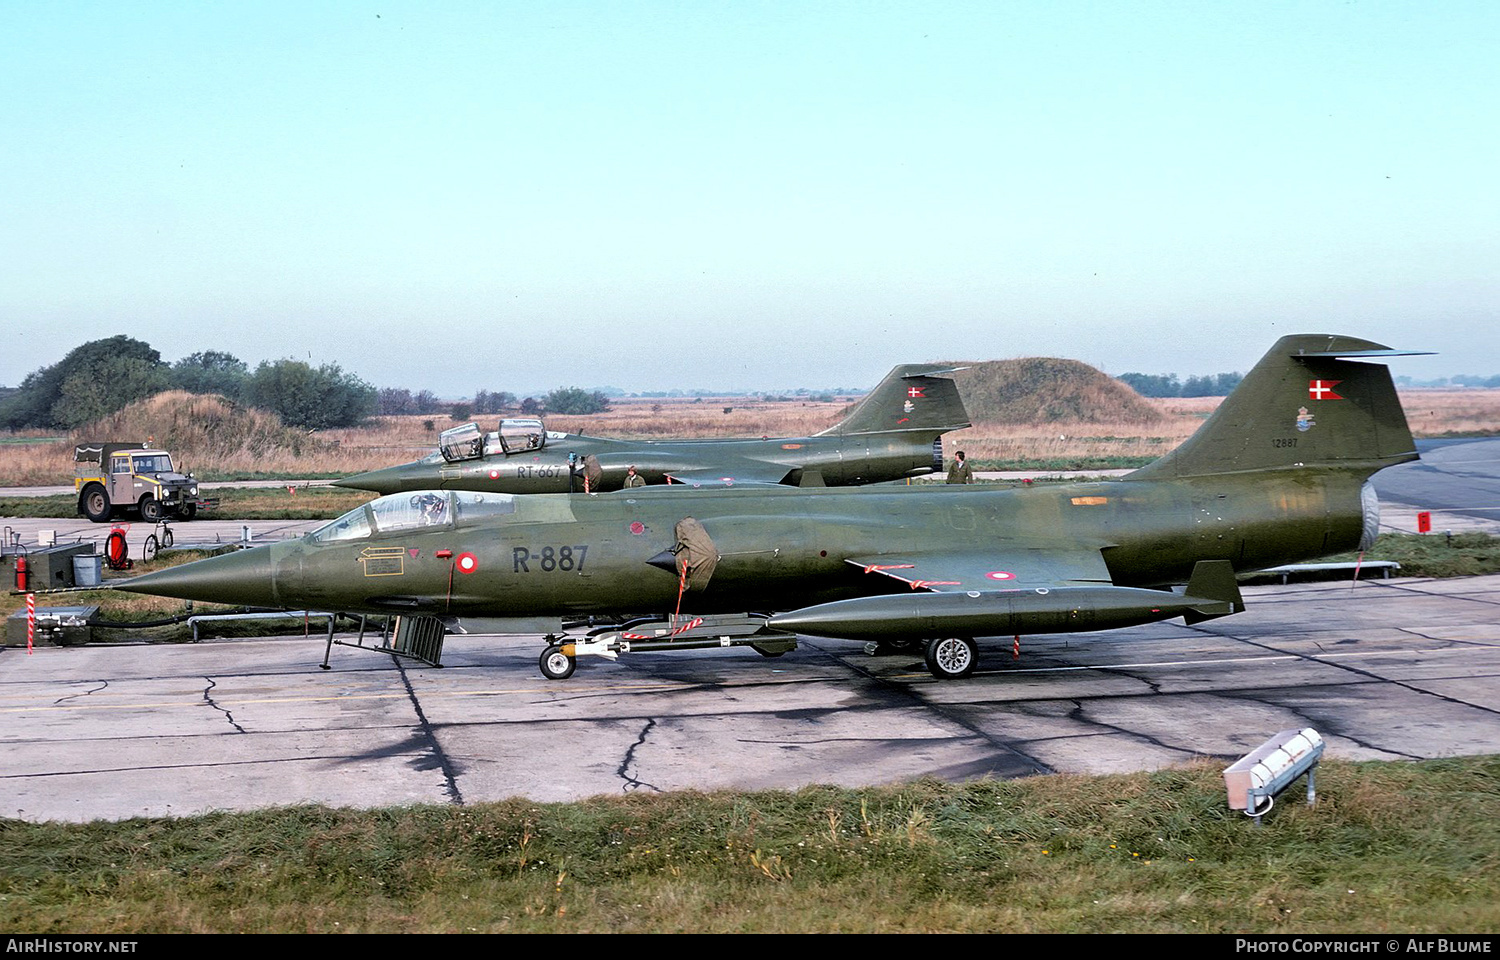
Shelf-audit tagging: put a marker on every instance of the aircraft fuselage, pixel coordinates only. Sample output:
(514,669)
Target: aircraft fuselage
(839,460)
(779,550)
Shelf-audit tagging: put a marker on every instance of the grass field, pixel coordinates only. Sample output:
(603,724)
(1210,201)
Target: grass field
(276,453)
(1389,847)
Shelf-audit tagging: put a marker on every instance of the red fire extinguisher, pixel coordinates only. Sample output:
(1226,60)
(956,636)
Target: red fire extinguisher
(21,575)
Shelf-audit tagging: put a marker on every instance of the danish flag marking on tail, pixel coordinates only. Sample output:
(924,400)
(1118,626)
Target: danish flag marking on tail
(1323,389)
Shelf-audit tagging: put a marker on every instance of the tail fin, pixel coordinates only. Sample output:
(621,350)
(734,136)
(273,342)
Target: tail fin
(911,397)
(1302,405)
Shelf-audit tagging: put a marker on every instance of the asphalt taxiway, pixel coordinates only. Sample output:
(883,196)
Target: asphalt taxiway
(1388,669)
(1384,669)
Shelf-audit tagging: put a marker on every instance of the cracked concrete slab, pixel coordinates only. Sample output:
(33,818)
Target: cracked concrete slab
(1386,669)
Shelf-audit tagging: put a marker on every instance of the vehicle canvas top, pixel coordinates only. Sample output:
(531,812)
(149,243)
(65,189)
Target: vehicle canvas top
(91,452)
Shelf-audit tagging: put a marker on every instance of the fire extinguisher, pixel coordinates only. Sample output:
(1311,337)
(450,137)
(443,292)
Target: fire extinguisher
(22,577)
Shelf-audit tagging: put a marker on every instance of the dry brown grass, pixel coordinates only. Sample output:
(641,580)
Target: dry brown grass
(1074,441)
(1437,413)
(251,446)
(654,419)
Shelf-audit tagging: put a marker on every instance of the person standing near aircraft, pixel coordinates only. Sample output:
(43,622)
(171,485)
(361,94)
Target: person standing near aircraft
(633,479)
(960,471)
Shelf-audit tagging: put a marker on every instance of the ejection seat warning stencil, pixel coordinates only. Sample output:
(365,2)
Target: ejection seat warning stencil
(383,561)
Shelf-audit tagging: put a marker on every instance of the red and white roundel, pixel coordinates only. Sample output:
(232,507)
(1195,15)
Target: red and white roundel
(494,474)
(466,563)
(1000,575)
(637,528)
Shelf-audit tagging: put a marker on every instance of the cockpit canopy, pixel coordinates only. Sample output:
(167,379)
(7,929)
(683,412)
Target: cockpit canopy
(461,443)
(414,511)
(466,442)
(519,436)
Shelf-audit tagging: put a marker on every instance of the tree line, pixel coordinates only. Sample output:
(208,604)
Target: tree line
(1167,385)
(103,376)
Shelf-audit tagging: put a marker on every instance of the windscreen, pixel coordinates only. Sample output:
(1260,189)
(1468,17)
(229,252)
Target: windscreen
(353,525)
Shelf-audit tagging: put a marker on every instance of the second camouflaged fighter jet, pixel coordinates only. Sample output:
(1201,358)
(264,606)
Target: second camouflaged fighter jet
(1277,474)
(894,432)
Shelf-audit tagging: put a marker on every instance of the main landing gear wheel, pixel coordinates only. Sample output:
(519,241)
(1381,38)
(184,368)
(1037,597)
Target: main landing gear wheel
(96,504)
(151,511)
(555,664)
(952,658)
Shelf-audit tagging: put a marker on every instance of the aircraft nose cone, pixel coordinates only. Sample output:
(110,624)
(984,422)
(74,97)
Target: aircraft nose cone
(246,576)
(382,481)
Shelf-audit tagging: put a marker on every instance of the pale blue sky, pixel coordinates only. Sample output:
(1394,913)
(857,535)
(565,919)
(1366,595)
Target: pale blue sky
(519,196)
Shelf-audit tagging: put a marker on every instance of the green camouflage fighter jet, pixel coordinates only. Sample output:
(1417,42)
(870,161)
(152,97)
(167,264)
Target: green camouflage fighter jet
(1277,474)
(894,432)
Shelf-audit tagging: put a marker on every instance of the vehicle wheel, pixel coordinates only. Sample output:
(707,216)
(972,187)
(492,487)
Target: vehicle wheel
(149,548)
(151,511)
(555,664)
(952,658)
(96,504)
(187,512)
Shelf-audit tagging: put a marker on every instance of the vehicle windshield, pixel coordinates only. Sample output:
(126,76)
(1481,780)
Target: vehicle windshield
(153,463)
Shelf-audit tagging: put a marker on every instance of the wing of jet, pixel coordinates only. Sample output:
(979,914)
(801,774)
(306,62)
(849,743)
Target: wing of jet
(748,474)
(1040,565)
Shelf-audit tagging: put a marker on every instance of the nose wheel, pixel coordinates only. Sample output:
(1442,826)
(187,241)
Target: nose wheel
(557,664)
